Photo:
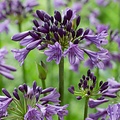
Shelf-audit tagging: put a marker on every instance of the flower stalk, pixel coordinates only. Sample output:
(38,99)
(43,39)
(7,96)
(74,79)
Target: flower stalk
(86,107)
(61,80)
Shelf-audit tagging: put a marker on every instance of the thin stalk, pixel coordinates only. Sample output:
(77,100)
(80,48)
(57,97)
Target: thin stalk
(43,85)
(61,81)
(49,6)
(23,66)
(86,107)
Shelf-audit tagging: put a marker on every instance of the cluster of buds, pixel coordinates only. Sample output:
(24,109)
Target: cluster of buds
(62,36)
(5,69)
(29,103)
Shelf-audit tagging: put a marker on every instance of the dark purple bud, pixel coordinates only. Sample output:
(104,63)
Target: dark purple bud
(79,32)
(76,41)
(81,81)
(6,92)
(15,89)
(33,45)
(16,95)
(64,20)
(104,84)
(34,86)
(60,32)
(25,87)
(87,78)
(40,14)
(56,36)
(36,23)
(20,36)
(47,90)
(53,28)
(91,76)
(37,97)
(46,26)
(42,30)
(88,73)
(34,35)
(73,33)
(79,85)
(47,17)
(48,37)
(69,14)
(54,40)
(86,32)
(52,19)
(85,84)
(71,89)
(101,82)
(83,77)
(94,79)
(103,88)
(21,88)
(56,23)
(78,20)
(91,88)
(78,97)
(58,16)
(88,92)
(68,27)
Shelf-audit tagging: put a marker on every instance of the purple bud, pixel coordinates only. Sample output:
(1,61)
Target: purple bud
(16,95)
(47,90)
(86,32)
(58,16)
(20,36)
(69,14)
(46,26)
(88,73)
(33,45)
(56,36)
(34,86)
(6,92)
(76,41)
(21,88)
(34,35)
(25,87)
(40,14)
(79,32)
(36,23)
(64,20)
(48,37)
(101,82)
(111,95)
(78,20)
(60,31)
(73,33)
(79,97)
(71,89)
(68,27)
(52,19)
(42,30)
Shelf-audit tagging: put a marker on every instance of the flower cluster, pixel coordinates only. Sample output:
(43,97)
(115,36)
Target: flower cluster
(62,36)
(31,105)
(5,69)
(16,8)
(89,87)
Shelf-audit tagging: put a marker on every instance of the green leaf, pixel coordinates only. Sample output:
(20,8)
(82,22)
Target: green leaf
(42,71)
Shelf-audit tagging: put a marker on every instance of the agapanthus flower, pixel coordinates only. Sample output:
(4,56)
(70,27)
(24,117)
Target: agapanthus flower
(58,35)
(5,70)
(34,107)
(103,2)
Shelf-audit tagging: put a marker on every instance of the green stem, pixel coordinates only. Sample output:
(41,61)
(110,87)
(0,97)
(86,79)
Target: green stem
(49,6)
(86,107)
(23,66)
(61,80)
(43,85)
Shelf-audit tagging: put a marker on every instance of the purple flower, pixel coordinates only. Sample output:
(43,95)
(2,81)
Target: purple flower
(4,26)
(52,97)
(98,57)
(59,3)
(74,52)
(33,114)
(4,105)
(114,111)
(54,52)
(95,103)
(5,70)
(20,54)
(102,2)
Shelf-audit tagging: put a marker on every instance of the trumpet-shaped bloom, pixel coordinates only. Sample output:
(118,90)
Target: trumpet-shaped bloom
(54,52)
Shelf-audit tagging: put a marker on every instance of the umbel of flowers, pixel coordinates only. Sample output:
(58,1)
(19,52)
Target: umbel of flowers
(62,36)
(30,104)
